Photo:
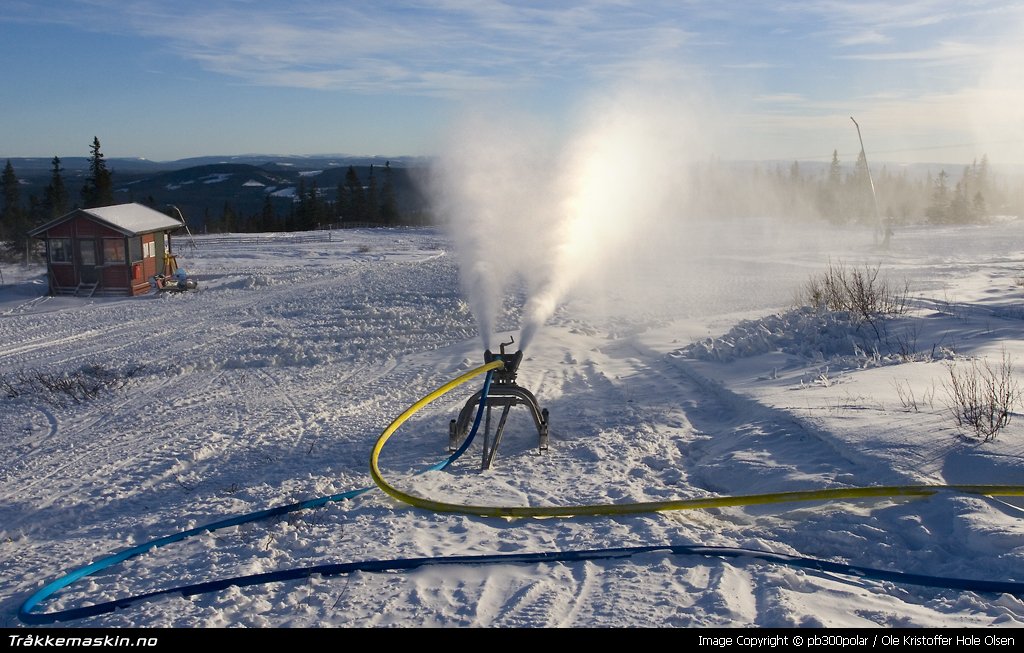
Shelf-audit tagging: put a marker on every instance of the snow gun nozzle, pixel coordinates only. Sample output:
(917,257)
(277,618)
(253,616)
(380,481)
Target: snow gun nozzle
(507,374)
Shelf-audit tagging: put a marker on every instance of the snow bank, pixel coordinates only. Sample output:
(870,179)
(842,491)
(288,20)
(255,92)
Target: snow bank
(821,336)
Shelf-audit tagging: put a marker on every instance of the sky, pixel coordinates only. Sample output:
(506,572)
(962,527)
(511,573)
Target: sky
(928,81)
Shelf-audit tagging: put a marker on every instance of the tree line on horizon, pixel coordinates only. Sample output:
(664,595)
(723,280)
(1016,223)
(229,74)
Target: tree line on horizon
(716,189)
(356,202)
(370,203)
(841,195)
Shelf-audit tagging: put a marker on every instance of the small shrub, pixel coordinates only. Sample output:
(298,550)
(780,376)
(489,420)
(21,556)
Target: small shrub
(981,398)
(859,291)
(906,395)
(76,386)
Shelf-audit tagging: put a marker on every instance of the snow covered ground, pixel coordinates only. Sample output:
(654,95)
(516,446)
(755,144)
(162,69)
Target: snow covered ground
(270,384)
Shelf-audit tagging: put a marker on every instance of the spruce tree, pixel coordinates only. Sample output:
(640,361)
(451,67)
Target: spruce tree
(316,209)
(10,213)
(829,197)
(372,199)
(99,185)
(938,210)
(861,201)
(959,209)
(979,210)
(388,206)
(301,208)
(14,221)
(228,218)
(353,202)
(268,221)
(56,200)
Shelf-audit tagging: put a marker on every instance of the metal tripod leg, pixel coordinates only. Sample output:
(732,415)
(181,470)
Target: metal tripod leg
(489,456)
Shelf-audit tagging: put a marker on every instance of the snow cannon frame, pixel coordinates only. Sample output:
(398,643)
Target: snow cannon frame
(505,393)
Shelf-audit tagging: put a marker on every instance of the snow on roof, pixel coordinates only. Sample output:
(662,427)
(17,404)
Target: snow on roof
(134,218)
(131,219)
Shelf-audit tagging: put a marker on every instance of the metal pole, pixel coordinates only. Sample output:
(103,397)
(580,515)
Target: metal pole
(184,224)
(867,168)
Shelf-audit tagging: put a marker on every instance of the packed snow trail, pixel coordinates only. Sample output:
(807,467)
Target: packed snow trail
(293,359)
(26,614)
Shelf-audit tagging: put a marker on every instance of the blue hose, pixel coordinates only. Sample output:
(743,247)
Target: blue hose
(26,615)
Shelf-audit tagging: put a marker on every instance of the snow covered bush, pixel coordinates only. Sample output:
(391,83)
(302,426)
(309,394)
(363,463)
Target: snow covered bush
(982,398)
(849,316)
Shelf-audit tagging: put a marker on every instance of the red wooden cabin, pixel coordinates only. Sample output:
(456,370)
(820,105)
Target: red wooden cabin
(109,250)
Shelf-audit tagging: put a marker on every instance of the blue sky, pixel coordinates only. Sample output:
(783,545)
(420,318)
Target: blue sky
(926,80)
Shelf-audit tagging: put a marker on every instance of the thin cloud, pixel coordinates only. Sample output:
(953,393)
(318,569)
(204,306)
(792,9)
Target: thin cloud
(865,37)
(781,98)
(945,52)
(449,46)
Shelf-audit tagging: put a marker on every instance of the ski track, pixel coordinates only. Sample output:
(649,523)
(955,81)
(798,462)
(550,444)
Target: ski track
(270,383)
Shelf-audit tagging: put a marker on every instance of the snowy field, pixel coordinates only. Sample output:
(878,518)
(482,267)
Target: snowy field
(271,382)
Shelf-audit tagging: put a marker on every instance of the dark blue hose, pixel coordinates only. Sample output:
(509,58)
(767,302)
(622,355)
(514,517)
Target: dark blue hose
(476,425)
(404,564)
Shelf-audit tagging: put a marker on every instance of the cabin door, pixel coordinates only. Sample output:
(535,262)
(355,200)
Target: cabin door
(87,260)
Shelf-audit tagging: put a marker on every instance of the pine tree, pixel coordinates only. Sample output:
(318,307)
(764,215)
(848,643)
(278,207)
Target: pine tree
(388,205)
(860,200)
(56,200)
(353,201)
(99,185)
(14,221)
(984,177)
(979,210)
(938,210)
(312,211)
(829,198)
(372,199)
(339,203)
(959,209)
(834,171)
(268,221)
(302,208)
(10,214)
(228,219)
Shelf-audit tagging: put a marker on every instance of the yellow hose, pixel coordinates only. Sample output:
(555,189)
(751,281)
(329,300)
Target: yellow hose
(649,506)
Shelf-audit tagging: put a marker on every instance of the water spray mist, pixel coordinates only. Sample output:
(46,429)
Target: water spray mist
(522,205)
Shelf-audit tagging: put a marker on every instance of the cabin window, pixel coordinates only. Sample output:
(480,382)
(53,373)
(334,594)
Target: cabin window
(60,250)
(113,250)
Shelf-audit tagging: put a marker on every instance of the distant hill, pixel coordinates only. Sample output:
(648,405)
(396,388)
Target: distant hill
(31,165)
(201,187)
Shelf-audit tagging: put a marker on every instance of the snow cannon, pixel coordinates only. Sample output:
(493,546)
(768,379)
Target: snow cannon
(503,393)
(508,373)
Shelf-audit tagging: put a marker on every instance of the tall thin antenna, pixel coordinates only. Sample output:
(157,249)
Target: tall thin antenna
(867,168)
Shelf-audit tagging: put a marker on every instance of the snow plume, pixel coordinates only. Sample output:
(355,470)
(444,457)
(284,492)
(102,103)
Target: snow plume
(555,211)
(490,192)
